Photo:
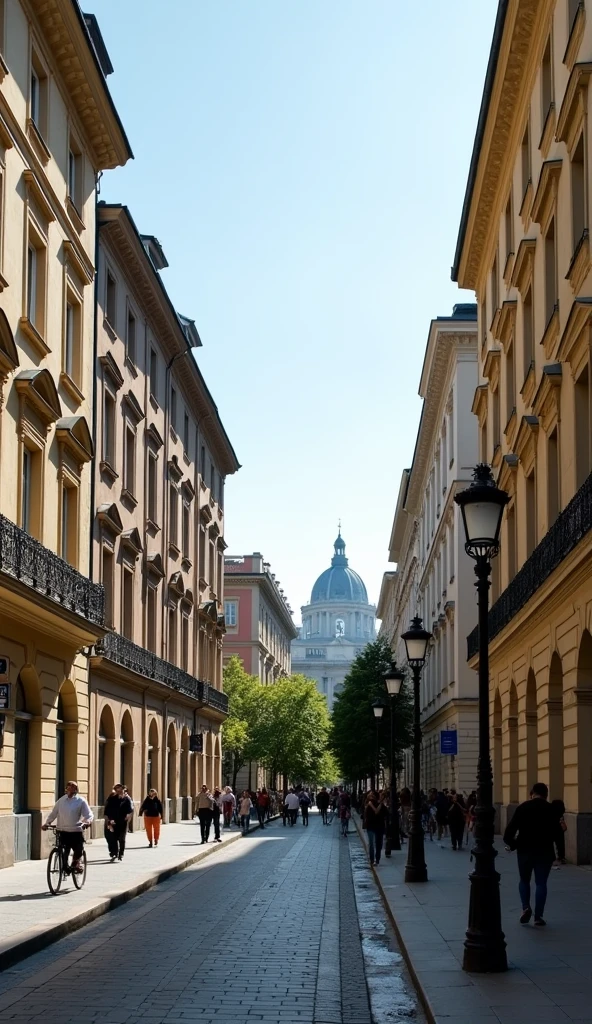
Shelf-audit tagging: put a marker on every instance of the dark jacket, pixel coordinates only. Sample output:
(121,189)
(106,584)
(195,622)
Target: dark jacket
(151,807)
(533,829)
(117,808)
(322,801)
(375,821)
(456,815)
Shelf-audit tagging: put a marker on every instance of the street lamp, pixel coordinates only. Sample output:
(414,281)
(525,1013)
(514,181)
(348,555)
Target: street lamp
(393,680)
(482,508)
(378,708)
(416,641)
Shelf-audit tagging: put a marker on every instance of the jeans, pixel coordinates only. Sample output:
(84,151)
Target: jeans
(116,839)
(456,834)
(323,811)
(527,863)
(374,845)
(205,822)
(216,821)
(71,841)
(293,816)
(245,820)
(304,809)
(261,815)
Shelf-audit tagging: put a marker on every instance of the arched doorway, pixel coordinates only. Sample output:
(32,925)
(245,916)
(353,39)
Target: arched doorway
(184,766)
(513,778)
(22,718)
(172,762)
(106,755)
(584,729)
(217,761)
(497,749)
(153,766)
(532,767)
(126,753)
(209,766)
(66,766)
(555,712)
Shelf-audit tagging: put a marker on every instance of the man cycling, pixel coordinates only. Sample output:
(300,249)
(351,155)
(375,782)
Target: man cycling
(72,812)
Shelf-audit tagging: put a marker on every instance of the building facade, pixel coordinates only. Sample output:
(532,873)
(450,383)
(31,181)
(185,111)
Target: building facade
(259,623)
(158,535)
(434,576)
(524,248)
(58,131)
(336,625)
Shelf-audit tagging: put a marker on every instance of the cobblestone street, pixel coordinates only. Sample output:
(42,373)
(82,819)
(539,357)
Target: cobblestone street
(269,929)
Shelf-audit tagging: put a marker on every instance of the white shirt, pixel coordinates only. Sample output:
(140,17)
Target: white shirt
(292,802)
(70,811)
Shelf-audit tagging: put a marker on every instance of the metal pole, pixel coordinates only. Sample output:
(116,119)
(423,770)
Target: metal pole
(377,753)
(415,868)
(485,945)
(393,839)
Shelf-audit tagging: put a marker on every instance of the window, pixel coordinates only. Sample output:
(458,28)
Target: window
(484,441)
(172,651)
(72,338)
(509,225)
(212,573)
(69,512)
(221,491)
(546,81)
(525,159)
(174,409)
(35,294)
(496,417)
(130,337)
(483,318)
(553,488)
(202,552)
(26,487)
(152,488)
(212,479)
(173,514)
(186,433)
(130,460)
(31,491)
(550,272)
(108,581)
(572,9)
(185,643)
(186,530)
(202,463)
(151,619)
(325,683)
(75,175)
(127,611)
(38,95)
(582,424)
(31,283)
(578,193)
(510,381)
(109,407)
(494,287)
(530,514)
(528,332)
(111,300)
(231,612)
(153,374)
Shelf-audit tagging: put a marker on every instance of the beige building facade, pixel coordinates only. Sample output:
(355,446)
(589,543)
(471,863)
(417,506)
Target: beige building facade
(524,247)
(58,130)
(156,701)
(434,577)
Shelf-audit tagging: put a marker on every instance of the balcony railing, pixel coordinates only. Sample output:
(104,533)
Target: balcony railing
(25,559)
(567,531)
(217,700)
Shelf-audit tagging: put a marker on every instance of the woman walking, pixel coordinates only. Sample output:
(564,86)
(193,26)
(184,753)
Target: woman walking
(228,805)
(216,812)
(151,808)
(244,809)
(456,822)
(375,815)
(204,806)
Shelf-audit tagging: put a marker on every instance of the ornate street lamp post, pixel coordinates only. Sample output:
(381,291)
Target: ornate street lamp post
(416,641)
(378,708)
(482,507)
(393,680)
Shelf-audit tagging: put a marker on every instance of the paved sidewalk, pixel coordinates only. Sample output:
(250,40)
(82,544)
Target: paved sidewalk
(31,917)
(550,976)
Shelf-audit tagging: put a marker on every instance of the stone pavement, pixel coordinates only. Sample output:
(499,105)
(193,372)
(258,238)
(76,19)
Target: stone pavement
(30,917)
(550,976)
(270,930)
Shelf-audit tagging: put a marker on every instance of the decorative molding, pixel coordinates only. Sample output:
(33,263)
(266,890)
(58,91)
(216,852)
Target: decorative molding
(576,34)
(36,339)
(528,387)
(109,518)
(112,370)
(573,107)
(580,263)
(175,471)
(546,401)
(491,366)
(526,442)
(37,194)
(550,338)
(73,433)
(507,473)
(575,340)
(546,193)
(134,407)
(479,406)
(153,437)
(155,566)
(511,428)
(132,542)
(548,131)
(524,265)
(37,388)
(76,258)
(38,143)
(507,322)
(9,359)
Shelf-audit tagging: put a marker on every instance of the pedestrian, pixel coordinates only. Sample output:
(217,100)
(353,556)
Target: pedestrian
(216,812)
(292,804)
(323,804)
(456,822)
(151,808)
(228,805)
(204,805)
(262,805)
(72,813)
(375,814)
(244,809)
(442,804)
(559,810)
(344,812)
(118,812)
(304,800)
(532,832)
(405,801)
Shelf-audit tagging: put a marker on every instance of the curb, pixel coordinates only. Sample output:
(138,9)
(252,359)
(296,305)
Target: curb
(24,944)
(422,994)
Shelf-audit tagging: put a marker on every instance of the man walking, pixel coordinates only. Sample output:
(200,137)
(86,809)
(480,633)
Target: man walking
(532,832)
(323,804)
(304,805)
(118,811)
(205,805)
(72,813)
(292,804)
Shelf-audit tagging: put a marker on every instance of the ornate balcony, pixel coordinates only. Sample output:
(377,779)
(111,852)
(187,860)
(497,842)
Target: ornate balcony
(26,560)
(123,652)
(217,700)
(567,531)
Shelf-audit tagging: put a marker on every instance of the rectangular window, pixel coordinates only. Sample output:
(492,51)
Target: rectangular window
(38,95)
(484,441)
(509,222)
(550,272)
(130,337)
(174,409)
(185,643)
(582,424)
(202,463)
(109,407)
(186,529)
(510,381)
(530,514)
(525,159)
(111,300)
(554,492)
(73,339)
(546,81)
(172,651)
(35,294)
(494,287)
(108,581)
(173,515)
(152,488)
(212,479)
(230,612)
(496,417)
(130,460)
(69,548)
(483,318)
(212,574)
(153,374)
(75,191)
(572,9)
(26,487)
(186,433)
(578,193)
(151,618)
(221,491)
(528,332)
(202,552)
(127,612)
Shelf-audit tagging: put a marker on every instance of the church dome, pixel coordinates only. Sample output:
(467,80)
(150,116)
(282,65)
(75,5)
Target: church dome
(339,583)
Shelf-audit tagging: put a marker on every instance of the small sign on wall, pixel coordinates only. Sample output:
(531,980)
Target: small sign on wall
(449,742)
(4,696)
(4,668)
(196,743)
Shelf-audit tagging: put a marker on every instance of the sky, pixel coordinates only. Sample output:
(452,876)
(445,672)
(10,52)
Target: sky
(304,165)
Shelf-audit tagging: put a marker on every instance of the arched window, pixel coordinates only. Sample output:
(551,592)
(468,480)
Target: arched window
(105,760)
(152,768)
(126,752)
(60,779)
(339,627)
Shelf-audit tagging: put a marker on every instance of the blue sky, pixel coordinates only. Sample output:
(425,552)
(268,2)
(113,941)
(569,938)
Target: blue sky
(303,165)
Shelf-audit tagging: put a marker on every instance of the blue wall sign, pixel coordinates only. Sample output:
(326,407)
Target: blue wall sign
(449,742)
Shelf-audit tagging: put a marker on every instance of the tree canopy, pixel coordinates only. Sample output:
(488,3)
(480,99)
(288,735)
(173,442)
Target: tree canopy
(245,707)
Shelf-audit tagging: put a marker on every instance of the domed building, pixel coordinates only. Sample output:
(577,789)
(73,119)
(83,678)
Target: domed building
(336,625)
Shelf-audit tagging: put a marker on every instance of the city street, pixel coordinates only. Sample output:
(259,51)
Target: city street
(285,925)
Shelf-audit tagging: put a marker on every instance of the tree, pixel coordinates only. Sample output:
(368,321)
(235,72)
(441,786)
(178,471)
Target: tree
(353,734)
(291,737)
(245,703)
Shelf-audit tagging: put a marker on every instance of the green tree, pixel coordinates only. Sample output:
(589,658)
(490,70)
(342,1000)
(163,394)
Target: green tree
(245,706)
(292,734)
(353,734)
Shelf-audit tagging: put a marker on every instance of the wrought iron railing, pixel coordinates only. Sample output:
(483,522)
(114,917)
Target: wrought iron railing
(567,531)
(123,652)
(217,700)
(25,559)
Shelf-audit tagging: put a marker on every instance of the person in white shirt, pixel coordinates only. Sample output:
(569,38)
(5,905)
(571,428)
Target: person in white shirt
(72,812)
(292,803)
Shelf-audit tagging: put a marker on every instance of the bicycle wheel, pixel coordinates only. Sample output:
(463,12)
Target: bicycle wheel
(54,871)
(80,879)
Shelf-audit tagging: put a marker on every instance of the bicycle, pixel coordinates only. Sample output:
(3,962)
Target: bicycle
(57,871)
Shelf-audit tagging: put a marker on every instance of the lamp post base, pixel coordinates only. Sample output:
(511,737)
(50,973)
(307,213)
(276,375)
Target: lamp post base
(485,944)
(415,868)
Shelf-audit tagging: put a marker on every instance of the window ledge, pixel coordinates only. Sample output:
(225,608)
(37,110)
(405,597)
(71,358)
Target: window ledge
(4,69)
(34,336)
(108,471)
(128,497)
(551,334)
(186,459)
(74,215)
(3,283)
(38,142)
(154,403)
(71,387)
(203,484)
(575,37)
(151,525)
(131,366)
(186,564)
(109,329)
(580,263)
(173,433)
(174,551)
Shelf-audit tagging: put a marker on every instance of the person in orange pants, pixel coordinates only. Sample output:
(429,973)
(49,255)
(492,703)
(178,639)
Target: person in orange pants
(152,810)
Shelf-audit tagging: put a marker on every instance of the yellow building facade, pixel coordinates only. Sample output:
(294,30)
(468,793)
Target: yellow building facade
(58,130)
(524,247)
